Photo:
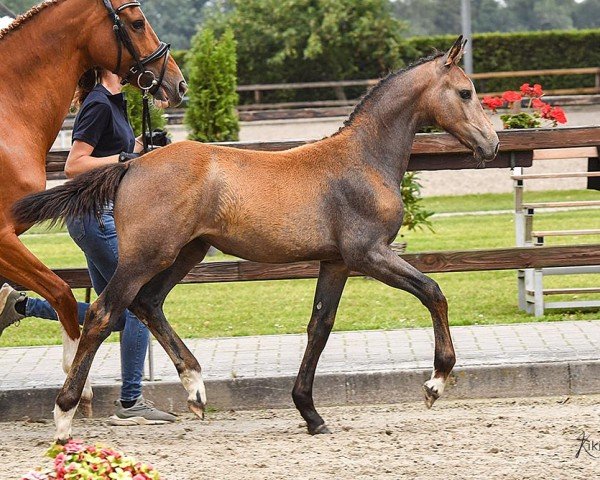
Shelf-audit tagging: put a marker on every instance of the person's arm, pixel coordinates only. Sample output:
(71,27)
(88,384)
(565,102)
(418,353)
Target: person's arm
(139,145)
(80,159)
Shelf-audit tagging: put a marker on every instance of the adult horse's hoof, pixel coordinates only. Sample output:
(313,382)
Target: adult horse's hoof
(319,430)
(60,441)
(430,395)
(85,408)
(196,408)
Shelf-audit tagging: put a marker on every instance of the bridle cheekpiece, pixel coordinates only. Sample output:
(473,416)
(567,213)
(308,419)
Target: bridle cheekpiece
(146,79)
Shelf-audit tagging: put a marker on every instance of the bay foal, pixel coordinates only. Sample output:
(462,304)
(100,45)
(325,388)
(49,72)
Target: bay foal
(337,200)
(44,53)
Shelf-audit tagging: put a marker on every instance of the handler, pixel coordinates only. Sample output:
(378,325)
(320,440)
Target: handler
(101,135)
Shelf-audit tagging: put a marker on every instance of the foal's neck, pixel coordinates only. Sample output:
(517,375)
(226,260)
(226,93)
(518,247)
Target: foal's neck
(43,60)
(385,125)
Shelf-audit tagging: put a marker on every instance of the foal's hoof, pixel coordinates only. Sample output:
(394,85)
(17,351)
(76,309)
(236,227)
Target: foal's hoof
(197,408)
(430,395)
(319,430)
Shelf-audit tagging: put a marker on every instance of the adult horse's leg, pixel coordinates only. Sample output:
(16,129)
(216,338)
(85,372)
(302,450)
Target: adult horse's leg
(101,320)
(21,266)
(330,285)
(148,306)
(384,265)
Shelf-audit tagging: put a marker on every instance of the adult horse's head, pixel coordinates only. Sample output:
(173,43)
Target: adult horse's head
(454,106)
(123,42)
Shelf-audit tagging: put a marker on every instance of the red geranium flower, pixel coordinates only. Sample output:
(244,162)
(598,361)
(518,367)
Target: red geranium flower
(537,103)
(511,96)
(529,91)
(537,90)
(558,114)
(492,102)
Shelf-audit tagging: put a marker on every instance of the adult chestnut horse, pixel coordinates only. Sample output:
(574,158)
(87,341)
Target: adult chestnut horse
(44,53)
(337,200)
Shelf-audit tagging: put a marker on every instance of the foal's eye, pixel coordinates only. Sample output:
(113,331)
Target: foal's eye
(138,24)
(465,94)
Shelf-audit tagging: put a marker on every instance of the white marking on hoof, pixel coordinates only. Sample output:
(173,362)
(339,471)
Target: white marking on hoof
(433,389)
(193,383)
(63,422)
(4,292)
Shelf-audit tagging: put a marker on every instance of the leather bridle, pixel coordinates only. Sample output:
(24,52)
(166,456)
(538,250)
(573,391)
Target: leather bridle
(146,79)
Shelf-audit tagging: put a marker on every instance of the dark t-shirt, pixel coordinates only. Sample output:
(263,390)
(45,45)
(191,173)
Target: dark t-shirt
(102,123)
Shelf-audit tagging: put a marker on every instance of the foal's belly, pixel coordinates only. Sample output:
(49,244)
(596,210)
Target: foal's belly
(275,242)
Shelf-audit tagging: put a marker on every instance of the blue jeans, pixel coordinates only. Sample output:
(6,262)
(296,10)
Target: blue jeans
(98,240)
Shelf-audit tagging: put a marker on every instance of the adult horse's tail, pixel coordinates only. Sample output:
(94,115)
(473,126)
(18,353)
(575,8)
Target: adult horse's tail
(85,194)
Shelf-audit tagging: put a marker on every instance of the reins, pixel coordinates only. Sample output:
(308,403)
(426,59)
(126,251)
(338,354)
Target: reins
(146,80)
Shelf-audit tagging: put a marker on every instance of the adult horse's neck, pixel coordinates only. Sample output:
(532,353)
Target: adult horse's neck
(384,124)
(43,59)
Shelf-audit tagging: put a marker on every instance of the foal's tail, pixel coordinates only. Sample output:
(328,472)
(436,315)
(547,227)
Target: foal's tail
(85,194)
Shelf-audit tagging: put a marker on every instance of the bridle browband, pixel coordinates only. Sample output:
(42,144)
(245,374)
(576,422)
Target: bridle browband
(146,79)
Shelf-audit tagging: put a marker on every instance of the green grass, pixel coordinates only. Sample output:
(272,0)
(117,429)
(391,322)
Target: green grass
(256,308)
(504,201)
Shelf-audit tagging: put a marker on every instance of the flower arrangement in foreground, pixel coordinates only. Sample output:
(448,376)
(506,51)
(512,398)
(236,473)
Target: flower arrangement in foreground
(539,112)
(75,461)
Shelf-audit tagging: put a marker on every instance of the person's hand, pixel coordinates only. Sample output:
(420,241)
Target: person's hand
(158,138)
(125,157)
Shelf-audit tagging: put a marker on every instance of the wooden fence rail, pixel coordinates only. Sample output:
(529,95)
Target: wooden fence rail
(432,151)
(426,262)
(340,84)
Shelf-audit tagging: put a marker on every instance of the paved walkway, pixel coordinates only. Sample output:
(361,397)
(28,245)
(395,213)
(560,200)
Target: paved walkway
(346,352)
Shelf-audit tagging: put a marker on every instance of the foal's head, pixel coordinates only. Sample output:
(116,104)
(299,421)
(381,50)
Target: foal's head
(104,50)
(451,103)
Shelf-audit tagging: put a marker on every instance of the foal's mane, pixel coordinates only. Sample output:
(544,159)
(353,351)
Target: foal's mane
(25,17)
(380,87)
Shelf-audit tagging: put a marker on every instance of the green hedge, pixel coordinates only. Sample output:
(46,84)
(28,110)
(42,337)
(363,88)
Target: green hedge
(526,51)
(510,52)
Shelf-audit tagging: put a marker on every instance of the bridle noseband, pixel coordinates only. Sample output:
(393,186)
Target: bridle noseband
(146,79)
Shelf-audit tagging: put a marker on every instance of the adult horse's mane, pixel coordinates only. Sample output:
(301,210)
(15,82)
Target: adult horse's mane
(22,19)
(379,87)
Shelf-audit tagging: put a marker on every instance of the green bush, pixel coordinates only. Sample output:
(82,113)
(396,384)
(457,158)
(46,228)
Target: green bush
(134,110)
(211,63)
(416,216)
(306,41)
(494,52)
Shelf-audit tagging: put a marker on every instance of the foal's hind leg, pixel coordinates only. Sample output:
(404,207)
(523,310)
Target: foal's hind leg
(148,306)
(384,265)
(332,278)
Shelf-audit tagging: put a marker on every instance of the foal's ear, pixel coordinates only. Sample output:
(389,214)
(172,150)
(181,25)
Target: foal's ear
(455,53)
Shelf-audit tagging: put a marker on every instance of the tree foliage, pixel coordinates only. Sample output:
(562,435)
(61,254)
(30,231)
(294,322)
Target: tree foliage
(211,63)
(434,17)
(308,40)
(174,21)
(134,111)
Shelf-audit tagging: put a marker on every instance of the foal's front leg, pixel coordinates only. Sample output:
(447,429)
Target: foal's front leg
(332,278)
(384,265)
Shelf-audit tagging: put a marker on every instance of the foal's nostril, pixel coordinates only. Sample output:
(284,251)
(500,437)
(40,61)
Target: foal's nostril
(183,87)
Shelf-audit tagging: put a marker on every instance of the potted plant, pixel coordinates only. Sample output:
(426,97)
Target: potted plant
(536,114)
